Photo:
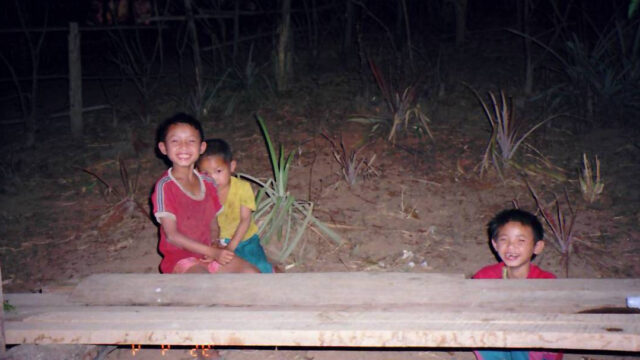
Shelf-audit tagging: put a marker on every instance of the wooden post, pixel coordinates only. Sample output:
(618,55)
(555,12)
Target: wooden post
(75,82)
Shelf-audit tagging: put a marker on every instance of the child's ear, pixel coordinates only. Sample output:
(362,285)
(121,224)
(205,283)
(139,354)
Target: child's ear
(232,166)
(537,248)
(493,244)
(203,147)
(162,147)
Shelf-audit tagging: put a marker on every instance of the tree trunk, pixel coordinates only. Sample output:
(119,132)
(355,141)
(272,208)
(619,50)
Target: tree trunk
(347,42)
(195,46)
(284,49)
(525,28)
(461,20)
(408,31)
(75,82)
(236,29)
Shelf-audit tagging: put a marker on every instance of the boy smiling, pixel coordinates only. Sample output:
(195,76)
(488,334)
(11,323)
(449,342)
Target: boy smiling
(186,205)
(517,237)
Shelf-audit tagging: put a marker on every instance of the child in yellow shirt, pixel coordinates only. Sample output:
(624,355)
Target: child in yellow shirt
(238,231)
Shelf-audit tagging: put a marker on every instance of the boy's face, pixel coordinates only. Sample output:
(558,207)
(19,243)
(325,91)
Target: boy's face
(182,145)
(218,169)
(516,245)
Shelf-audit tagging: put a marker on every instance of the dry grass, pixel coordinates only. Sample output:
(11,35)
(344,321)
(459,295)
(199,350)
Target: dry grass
(591,185)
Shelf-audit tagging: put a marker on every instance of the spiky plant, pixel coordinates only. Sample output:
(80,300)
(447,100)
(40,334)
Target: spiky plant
(506,136)
(560,223)
(403,109)
(280,216)
(352,165)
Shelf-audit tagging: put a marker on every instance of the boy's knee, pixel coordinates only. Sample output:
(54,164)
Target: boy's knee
(250,269)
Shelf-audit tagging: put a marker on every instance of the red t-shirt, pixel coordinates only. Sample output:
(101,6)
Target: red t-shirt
(495,272)
(193,215)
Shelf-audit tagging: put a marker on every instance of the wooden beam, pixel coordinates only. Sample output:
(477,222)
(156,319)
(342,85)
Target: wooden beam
(383,289)
(307,327)
(329,309)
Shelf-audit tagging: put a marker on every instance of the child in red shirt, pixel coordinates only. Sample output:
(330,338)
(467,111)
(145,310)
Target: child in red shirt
(186,204)
(517,237)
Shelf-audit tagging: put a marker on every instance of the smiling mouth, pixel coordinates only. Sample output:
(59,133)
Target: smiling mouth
(511,257)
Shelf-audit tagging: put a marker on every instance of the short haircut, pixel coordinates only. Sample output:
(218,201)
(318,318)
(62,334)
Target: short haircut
(218,147)
(523,217)
(179,118)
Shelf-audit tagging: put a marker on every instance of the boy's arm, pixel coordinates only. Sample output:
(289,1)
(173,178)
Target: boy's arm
(215,231)
(241,230)
(176,238)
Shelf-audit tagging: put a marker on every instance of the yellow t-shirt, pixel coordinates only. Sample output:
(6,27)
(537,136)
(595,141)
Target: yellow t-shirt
(240,194)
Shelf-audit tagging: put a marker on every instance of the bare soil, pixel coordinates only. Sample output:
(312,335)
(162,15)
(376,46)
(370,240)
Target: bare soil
(426,211)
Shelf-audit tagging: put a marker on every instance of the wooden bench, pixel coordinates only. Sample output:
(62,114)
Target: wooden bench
(329,309)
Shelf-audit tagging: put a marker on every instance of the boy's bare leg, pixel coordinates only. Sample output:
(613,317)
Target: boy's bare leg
(197,269)
(238,265)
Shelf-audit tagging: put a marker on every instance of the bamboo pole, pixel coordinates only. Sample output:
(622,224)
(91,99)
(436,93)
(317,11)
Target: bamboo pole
(75,82)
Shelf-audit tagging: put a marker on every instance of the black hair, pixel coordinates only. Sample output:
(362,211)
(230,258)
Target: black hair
(179,118)
(218,147)
(523,217)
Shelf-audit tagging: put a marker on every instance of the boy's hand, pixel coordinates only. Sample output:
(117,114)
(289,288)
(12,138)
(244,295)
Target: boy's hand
(222,256)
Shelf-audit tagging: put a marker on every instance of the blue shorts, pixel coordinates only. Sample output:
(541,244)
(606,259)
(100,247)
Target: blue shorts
(251,251)
(516,355)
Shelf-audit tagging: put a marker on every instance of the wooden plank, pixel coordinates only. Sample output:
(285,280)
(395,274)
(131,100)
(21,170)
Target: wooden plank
(383,289)
(258,327)
(21,300)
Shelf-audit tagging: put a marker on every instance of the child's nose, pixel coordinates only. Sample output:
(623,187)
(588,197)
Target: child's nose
(183,144)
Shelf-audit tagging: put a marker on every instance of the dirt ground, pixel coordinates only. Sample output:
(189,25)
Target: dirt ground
(425,211)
